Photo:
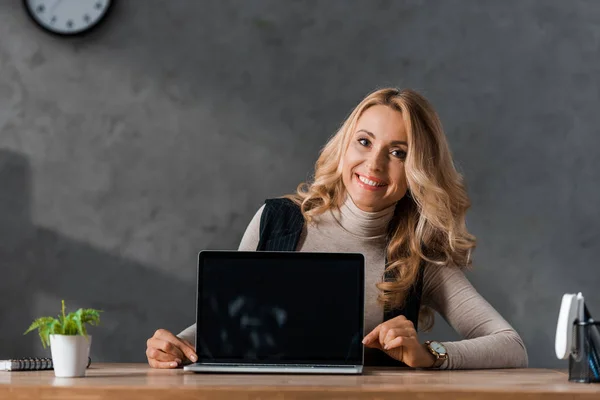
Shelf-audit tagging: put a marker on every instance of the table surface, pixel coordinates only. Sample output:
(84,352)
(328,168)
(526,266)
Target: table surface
(137,381)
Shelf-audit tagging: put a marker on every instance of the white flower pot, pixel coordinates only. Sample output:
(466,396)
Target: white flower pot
(70,354)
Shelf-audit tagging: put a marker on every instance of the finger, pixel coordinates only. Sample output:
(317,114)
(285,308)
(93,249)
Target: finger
(188,344)
(400,318)
(402,331)
(162,364)
(389,336)
(373,345)
(383,333)
(188,350)
(165,347)
(184,346)
(158,355)
(372,335)
(406,324)
(406,341)
(395,343)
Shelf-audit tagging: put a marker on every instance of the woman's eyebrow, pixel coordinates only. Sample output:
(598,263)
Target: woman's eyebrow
(394,143)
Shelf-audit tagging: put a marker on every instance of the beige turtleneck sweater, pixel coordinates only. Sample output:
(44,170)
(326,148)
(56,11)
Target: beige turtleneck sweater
(490,341)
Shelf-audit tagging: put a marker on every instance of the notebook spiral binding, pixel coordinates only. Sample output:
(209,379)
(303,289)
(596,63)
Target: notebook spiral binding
(34,363)
(30,364)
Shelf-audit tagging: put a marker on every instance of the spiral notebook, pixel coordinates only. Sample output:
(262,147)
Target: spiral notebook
(29,364)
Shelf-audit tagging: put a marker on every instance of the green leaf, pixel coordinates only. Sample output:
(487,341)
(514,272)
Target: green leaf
(72,323)
(90,316)
(56,328)
(79,320)
(40,322)
(69,325)
(42,325)
(43,332)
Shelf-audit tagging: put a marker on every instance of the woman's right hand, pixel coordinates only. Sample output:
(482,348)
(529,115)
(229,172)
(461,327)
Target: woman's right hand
(165,350)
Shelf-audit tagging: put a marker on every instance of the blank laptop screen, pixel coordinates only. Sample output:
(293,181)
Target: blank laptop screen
(280,307)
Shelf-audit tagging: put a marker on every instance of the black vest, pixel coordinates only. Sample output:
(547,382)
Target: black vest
(281,226)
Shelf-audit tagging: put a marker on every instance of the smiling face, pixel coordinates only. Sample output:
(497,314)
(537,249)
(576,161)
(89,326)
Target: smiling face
(373,165)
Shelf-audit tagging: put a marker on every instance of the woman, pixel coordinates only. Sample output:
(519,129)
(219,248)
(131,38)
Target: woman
(385,185)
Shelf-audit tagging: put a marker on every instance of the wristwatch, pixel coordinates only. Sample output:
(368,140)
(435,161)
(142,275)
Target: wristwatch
(439,352)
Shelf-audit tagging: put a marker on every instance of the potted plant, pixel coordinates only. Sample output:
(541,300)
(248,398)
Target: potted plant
(68,339)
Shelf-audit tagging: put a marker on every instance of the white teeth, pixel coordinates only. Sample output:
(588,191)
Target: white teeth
(369,182)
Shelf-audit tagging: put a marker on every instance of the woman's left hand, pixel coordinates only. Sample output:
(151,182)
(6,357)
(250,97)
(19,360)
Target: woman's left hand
(397,337)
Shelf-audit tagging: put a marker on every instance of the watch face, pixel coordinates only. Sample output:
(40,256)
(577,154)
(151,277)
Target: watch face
(67,17)
(438,347)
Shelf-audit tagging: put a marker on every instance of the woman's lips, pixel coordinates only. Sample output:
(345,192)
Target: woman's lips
(366,186)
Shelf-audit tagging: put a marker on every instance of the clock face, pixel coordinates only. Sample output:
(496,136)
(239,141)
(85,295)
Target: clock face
(438,347)
(67,17)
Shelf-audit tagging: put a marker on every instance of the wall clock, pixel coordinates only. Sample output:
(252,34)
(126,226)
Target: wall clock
(67,17)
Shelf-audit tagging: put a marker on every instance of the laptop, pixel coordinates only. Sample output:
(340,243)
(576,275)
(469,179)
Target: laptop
(279,312)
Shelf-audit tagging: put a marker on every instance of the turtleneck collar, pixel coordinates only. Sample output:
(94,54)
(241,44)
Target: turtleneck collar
(363,224)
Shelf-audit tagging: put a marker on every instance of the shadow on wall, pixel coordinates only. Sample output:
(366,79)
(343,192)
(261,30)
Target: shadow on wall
(38,264)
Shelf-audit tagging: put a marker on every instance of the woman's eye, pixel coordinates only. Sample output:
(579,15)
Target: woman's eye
(363,142)
(399,154)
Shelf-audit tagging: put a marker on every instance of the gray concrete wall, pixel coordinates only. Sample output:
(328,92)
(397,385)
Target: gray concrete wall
(125,152)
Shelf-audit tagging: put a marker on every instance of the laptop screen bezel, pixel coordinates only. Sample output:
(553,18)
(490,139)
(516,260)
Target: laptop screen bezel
(279,255)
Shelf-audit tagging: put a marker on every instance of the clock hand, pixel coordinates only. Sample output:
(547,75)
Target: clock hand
(56,3)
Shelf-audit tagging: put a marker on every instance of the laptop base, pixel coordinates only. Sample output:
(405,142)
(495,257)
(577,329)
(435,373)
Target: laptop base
(276,369)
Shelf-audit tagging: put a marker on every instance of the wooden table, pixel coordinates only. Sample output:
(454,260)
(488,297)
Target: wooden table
(138,381)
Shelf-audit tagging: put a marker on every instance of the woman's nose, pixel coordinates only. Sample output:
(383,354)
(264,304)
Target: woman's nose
(376,161)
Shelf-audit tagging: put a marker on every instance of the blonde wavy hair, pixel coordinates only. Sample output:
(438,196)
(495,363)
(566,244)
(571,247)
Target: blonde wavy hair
(429,221)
